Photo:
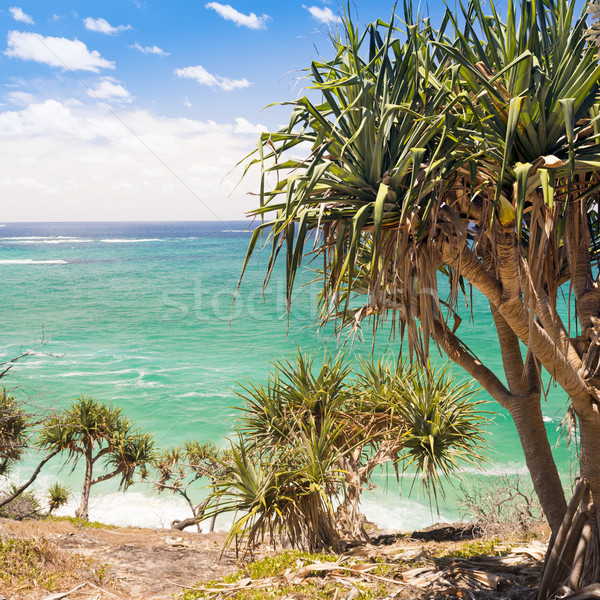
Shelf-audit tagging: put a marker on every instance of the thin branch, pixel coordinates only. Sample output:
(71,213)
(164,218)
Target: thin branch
(20,490)
(456,351)
(106,476)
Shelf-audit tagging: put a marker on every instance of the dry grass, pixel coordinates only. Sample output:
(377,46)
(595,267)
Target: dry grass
(33,564)
(103,563)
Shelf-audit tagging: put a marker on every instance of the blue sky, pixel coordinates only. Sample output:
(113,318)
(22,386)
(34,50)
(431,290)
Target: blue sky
(139,109)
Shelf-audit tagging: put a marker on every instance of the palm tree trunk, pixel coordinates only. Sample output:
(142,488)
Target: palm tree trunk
(573,560)
(82,511)
(213,519)
(589,440)
(529,421)
(527,414)
(349,518)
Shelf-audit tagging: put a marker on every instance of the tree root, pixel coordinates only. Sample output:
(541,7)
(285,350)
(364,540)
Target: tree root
(183,523)
(572,566)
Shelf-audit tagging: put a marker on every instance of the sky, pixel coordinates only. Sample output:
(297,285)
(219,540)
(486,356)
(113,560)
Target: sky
(138,110)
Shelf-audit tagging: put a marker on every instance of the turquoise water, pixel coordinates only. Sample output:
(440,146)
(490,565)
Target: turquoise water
(141,315)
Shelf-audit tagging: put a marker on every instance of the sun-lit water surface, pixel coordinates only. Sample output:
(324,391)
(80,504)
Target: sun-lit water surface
(141,315)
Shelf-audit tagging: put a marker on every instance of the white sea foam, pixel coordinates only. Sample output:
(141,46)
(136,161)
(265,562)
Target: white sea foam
(388,510)
(132,241)
(39,237)
(136,372)
(136,509)
(400,513)
(236,231)
(494,470)
(31,261)
(203,395)
(63,241)
(497,470)
(72,374)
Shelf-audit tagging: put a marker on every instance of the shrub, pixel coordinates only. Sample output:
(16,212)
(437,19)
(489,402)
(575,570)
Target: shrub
(503,505)
(24,506)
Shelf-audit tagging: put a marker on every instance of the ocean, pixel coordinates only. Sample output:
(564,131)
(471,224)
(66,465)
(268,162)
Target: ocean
(141,315)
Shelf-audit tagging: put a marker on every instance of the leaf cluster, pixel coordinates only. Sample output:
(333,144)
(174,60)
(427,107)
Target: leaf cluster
(94,430)
(185,464)
(14,423)
(428,141)
(312,435)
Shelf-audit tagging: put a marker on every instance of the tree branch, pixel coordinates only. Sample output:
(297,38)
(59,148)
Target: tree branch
(553,324)
(106,476)
(516,315)
(100,454)
(457,352)
(20,490)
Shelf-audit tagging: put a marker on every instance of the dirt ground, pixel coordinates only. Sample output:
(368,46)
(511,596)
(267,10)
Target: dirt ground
(149,564)
(125,563)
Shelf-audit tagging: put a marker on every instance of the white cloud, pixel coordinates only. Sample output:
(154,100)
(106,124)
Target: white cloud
(84,163)
(150,49)
(103,26)
(110,89)
(229,13)
(18,15)
(203,77)
(243,126)
(20,98)
(323,15)
(56,52)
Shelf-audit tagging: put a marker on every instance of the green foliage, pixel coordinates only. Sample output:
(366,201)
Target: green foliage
(274,566)
(24,563)
(443,429)
(271,566)
(92,430)
(13,431)
(424,143)
(91,426)
(293,392)
(83,523)
(180,467)
(435,159)
(310,438)
(305,590)
(477,548)
(58,495)
(285,493)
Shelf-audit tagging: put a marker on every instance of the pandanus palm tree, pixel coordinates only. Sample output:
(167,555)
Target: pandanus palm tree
(180,468)
(92,430)
(468,152)
(312,436)
(13,431)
